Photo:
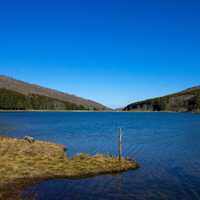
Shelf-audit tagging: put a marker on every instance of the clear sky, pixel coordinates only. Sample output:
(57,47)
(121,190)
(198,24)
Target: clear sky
(111,51)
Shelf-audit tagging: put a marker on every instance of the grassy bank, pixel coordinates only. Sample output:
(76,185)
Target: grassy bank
(23,163)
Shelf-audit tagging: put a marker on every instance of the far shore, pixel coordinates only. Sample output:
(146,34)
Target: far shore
(95,111)
(57,111)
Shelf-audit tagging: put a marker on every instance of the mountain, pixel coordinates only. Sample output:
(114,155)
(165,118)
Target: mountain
(185,101)
(19,95)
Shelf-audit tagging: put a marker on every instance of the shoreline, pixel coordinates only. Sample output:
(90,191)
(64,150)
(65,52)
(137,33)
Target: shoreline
(90,111)
(54,111)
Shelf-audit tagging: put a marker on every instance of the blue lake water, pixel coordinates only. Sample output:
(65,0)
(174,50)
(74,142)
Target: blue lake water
(167,146)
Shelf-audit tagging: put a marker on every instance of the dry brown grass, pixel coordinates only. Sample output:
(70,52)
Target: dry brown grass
(23,163)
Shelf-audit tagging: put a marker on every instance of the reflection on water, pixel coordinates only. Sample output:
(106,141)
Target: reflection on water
(165,144)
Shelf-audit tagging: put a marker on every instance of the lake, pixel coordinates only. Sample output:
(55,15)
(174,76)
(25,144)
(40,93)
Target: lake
(167,146)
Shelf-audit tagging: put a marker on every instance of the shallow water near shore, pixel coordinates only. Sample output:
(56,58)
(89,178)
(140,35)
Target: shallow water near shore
(165,144)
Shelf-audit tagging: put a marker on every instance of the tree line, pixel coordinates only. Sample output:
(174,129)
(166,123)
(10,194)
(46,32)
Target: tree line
(11,100)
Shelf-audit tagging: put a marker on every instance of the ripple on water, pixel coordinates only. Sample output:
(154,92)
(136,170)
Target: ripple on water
(165,144)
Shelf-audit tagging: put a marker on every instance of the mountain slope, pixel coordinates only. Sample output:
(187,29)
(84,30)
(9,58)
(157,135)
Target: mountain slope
(40,97)
(184,101)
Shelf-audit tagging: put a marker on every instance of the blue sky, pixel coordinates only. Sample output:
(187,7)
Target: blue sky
(111,51)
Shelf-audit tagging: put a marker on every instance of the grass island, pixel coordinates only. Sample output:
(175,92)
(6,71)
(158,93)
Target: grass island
(24,163)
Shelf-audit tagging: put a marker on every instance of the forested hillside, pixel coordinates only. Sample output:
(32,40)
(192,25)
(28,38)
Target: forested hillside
(10,100)
(19,95)
(184,101)
(56,99)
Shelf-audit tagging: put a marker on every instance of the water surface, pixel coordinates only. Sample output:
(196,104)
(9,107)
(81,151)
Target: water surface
(165,144)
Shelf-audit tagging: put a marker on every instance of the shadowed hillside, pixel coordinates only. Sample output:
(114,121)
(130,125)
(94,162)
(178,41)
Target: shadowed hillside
(184,101)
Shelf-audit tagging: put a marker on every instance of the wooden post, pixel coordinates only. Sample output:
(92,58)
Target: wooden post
(120,144)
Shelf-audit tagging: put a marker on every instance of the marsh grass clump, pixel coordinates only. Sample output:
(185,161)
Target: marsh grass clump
(23,163)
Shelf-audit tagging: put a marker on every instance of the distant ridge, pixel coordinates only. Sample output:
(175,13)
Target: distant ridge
(54,99)
(185,101)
